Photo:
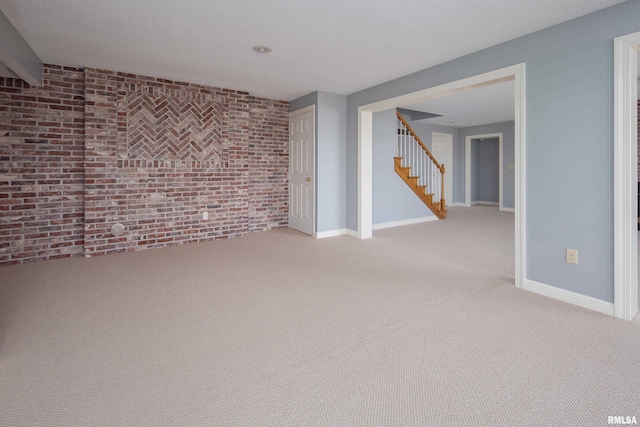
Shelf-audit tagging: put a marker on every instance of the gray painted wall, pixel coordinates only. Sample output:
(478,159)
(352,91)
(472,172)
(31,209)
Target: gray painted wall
(508,134)
(487,180)
(304,101)
(569,141)
(330,135)
(397,202)
(474,172)
(392,197)
(331,162)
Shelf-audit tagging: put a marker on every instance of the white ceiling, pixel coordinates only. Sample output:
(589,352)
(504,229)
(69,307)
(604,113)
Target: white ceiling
(330,45)
(484,105)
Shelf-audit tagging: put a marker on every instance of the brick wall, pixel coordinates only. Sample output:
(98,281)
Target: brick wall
(269,165)
(150,154)
(41,167)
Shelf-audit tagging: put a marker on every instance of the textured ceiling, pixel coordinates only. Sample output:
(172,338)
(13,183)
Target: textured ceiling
(330,45)
(484,105)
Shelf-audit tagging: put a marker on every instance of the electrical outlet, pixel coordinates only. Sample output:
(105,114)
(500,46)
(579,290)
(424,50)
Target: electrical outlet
(375,208)
(572,256)
(205,215)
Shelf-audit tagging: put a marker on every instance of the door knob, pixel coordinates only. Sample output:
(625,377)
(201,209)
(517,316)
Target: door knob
(309,179)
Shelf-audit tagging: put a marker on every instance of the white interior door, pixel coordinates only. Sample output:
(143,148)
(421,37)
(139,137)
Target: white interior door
(301,170)
(442,150)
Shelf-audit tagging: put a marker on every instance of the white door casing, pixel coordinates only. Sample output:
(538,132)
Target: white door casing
(442,150)
(625,170)
(302,170)
(365,146)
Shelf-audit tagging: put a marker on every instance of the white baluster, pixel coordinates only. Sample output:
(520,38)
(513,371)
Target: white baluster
(415,151)
(398,139)
(404,146)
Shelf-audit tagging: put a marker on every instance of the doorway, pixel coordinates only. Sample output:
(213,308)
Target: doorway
(365,143)
(499,168)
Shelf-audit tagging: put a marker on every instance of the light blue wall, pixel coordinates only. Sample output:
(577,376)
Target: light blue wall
(331,162)
(508,136)
(488,171)
(304,101)
(424,131)
(474,171)
(330,136)
(569,141)
(392,197)
(397,202)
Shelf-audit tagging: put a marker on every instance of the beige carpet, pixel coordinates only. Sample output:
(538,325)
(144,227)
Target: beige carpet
(420,325)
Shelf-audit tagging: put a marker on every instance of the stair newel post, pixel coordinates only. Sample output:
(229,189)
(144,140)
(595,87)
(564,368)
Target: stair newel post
(442,203)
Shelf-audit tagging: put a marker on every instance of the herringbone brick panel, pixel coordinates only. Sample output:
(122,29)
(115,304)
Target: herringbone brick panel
(172,128)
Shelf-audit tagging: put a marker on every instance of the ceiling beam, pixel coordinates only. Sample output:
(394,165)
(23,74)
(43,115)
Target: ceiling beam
(17,55)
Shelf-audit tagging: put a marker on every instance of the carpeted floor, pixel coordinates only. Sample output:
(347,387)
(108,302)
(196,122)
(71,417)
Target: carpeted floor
(420,325)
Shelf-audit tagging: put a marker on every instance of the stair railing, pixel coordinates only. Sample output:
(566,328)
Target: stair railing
(423,165)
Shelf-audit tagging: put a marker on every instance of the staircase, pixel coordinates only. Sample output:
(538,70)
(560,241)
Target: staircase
(417,167)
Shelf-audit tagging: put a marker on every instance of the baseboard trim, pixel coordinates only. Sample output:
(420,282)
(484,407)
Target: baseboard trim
(569,297)
(404,222)
(330,233)
(482,202)
(513,210)
(352,233)
(456,204)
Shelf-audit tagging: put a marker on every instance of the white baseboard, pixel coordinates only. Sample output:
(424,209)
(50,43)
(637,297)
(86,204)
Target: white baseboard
(481,202)
(569,297)
(456,204)
(508,210)
(335,233)
(352,233)
(330,233)
(404,222)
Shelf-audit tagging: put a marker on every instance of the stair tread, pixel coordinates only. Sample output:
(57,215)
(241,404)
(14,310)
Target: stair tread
(420,190)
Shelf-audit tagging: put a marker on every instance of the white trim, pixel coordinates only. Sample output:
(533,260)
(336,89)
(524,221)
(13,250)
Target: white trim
(365,144)
(501,171)
(400,223)
(520,185)
(336,233)
(473,82)
(625,169)
(303,110)
(365,174)
(569,297)
(312,109)
(485,203)
(458,204)
(467,165)
(330,233)
(508,210)
(352,233)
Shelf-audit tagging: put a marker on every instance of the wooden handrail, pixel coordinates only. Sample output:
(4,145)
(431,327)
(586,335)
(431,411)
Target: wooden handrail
(417,138)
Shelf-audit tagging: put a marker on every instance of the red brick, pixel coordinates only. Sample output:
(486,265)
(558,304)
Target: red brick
(75,161)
